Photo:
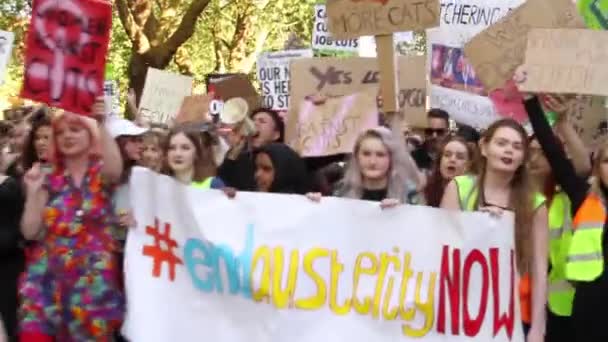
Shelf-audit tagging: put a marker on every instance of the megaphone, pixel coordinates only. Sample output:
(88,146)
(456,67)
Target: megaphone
(235,112)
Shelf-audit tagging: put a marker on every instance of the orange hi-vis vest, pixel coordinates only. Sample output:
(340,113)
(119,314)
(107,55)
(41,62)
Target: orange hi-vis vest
(585,260)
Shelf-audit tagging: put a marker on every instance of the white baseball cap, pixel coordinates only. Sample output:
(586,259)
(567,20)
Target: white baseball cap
(122,127)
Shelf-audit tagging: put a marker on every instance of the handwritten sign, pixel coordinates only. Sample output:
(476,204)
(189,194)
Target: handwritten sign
(274,74)
(333,77)
(163,95)
(589,117)
(275,268)
(354,18)
(332,127)
(6,46)
(323,41)
(195,109)
(66,51)
(496,52)
(566,61)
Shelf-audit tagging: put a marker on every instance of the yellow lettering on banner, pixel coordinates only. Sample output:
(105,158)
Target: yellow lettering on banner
(385,262)
(317,301)
(365,306)
(405,279)
(336,269)
(261,254)
(425,307)
(281,296)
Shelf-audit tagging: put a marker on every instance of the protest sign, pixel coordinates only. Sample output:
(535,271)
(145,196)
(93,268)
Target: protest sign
(227,86)
(6,47)
(323,41)
(111,98)
(266,267)
(570,61)
(595,13)
(163,95)
(332,127)
(334,77)
(348,19)
(195,109)
(496,52)
(589,117)
(273,74)
(455,86)
(65,56)
(367,44)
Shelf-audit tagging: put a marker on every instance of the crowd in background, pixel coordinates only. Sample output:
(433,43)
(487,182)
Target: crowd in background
(65,209)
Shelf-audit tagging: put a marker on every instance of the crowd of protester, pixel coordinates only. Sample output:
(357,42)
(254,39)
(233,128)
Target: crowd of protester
(65,208)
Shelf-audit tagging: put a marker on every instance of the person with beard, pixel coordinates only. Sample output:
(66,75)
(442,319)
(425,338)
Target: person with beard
(279,169)
(438,127)
(238,168)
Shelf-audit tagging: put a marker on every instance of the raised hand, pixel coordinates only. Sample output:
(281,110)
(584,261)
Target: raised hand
(33,179)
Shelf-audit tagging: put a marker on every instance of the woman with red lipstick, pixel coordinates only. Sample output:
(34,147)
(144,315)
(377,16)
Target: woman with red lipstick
(503,185)
(456,158)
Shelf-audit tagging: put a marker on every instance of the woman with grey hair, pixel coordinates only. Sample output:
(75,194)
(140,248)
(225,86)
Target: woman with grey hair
(380,170)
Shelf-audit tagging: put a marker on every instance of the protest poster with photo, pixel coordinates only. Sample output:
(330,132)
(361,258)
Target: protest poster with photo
(273,75)
(455,86)
(333,77)
(268,268)
(163,95)
(6,47)
(322,39)
(65,53)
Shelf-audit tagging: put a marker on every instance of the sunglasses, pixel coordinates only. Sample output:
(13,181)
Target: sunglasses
(435,131)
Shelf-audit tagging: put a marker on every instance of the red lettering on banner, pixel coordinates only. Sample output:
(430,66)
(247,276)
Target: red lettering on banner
(66,51)
(502,319)
(453,287)
(473,325)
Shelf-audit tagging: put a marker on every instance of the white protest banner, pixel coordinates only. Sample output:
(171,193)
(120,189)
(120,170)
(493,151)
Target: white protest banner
(163,95)
(111,98)
(322,39)
(273,74)
(367,44)
(267,268)
(454,84)
(571,61)
(6,46)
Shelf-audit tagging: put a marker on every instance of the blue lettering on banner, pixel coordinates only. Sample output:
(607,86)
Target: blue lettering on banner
(236,267)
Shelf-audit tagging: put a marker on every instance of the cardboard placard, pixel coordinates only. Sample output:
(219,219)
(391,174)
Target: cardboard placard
(334,77)
(273,74)
(6,47)
(349,19)
(565,61)
(163,95)
(194,109)
(497,51)
(237,85)
(332,127)
(589,117)
(66,51)
(322,39)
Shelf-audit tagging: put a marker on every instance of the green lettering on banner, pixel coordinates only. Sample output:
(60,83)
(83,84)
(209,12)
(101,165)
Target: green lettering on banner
(595,13)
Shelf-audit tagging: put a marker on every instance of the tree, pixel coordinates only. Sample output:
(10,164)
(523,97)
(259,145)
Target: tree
(156,33)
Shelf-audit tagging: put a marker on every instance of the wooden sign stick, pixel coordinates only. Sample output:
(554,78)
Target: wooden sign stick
(387,64)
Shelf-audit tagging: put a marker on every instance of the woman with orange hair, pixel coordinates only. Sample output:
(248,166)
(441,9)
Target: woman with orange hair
(70,290)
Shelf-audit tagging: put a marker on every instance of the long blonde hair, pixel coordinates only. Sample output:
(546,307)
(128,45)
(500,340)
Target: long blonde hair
(402,168)
(521,199)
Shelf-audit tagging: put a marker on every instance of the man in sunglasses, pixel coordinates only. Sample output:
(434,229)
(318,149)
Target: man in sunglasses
(438,124)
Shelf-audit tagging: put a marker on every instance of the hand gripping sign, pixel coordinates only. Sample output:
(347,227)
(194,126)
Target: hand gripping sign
(66,52)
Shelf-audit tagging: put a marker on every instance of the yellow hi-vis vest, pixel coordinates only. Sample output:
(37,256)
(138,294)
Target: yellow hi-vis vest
(585,259)
(561,291)
(205,185)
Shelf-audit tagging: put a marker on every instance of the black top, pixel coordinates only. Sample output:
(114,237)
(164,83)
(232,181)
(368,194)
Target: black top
(290,172)
(11,208)
(374,195)
(239,173)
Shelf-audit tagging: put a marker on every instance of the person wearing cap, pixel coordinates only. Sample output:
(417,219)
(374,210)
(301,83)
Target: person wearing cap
(128,136)
(262,127)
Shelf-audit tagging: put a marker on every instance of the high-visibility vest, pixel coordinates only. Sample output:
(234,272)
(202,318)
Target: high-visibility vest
(467,195)
(205,185)
(585,260)
(560,290)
